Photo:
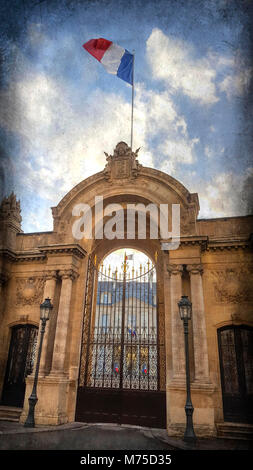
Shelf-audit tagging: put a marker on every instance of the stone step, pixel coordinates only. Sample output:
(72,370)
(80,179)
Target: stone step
(235,431)
(10,413)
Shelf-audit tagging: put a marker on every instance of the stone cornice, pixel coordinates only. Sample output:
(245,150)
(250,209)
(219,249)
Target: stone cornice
(73,249)
(15,256)
(214,244)
(201,240)
(194,240)
(40,253)
(228,244)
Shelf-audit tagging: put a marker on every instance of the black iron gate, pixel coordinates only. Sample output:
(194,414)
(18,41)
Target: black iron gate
(236,365)
(19,364)
(122,350)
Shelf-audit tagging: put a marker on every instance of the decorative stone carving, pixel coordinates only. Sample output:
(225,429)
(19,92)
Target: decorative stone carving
(175,269)
(195,269)
(68,274)
(10,211)
(29,291)
(123,164)
(233,285)
(50,275)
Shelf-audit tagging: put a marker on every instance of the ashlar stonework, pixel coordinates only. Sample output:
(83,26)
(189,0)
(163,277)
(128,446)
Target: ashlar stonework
(213,265)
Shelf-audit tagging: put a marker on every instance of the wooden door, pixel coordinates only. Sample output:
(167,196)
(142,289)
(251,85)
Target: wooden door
(236,366)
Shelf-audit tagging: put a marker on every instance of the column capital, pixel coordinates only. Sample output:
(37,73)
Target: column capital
(68,274)
(50,275)
(175,269)
(194,269)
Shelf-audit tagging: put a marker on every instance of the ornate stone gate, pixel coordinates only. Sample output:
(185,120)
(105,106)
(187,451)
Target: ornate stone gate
(60,262)
(122,367)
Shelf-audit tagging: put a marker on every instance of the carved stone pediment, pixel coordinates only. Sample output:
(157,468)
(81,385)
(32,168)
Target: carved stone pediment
(123,164)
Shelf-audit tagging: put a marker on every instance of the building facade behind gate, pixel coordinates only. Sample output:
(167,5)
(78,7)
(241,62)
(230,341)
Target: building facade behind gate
(213,266)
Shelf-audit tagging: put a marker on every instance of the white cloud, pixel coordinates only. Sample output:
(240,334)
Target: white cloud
(236,84)
(211,153)
(226,195)
(181,151)
(62,145)
(173,61)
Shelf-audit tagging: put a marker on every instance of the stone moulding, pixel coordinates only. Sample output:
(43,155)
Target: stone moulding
(194,240)
(124,166)
(74,249)
(16,256)
(40,253)
(228,244)
(213,245)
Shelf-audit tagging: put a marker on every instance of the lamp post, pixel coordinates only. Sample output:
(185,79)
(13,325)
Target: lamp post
(185,310)
(45,309)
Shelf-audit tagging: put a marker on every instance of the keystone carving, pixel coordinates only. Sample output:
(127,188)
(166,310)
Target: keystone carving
(123,164)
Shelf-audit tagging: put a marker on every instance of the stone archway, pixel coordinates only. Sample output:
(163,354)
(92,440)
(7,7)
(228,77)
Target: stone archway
(122,181)
(122,370)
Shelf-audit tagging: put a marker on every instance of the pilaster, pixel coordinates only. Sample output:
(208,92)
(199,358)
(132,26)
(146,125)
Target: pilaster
(199,324)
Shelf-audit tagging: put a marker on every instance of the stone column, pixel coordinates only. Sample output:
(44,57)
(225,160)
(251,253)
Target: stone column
(177,334)
(60,342)
(198,324)
(49,291)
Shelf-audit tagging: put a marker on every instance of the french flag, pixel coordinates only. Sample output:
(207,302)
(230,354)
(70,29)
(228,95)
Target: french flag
(114,58)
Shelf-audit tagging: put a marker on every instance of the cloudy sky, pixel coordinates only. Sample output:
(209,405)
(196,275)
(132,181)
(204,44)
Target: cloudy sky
(60,110)
(137,261)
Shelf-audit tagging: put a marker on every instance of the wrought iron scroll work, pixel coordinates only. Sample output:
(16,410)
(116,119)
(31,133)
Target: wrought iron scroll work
(123,335)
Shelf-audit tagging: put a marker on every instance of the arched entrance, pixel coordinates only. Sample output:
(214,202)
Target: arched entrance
(72,260)
(120,365)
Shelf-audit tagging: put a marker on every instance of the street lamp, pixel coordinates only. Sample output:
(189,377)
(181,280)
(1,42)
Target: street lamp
(45,309)
(185,311)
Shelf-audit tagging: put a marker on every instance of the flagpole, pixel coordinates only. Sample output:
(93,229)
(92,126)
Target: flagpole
(132,113)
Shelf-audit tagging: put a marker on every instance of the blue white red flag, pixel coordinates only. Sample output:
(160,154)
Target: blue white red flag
(131,331)
(115,59)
